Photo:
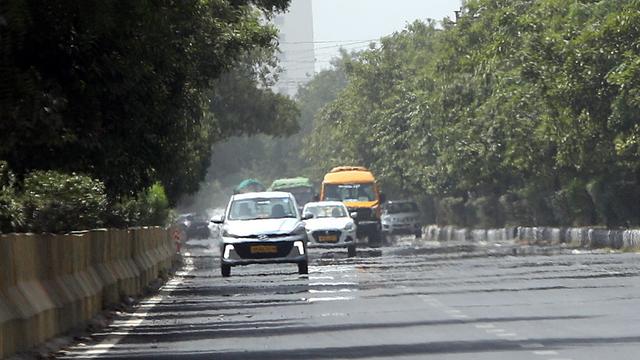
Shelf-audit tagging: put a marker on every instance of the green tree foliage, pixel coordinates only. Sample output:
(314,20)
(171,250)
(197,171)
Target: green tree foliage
(268,157)
(523,112)
(130,92)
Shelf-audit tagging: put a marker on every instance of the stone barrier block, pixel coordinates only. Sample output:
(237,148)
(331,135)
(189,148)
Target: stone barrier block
(599,238)
(478,235)
(631,238)
(461,235)
(52,283)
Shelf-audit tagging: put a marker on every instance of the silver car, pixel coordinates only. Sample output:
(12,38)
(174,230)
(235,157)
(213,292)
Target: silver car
(401,217)
(262,228)
(330,226)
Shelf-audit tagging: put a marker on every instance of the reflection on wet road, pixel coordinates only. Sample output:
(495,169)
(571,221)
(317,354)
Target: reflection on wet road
(406,301)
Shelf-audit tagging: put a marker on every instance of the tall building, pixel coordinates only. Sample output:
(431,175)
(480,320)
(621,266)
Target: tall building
(297,57)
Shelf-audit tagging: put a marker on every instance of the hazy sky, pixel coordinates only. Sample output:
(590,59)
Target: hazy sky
(358,20)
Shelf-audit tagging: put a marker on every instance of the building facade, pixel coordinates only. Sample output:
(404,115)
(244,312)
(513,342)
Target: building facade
(297,56)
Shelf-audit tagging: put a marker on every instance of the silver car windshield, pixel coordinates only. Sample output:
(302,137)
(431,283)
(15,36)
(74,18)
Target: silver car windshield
(262,208)
(397,208)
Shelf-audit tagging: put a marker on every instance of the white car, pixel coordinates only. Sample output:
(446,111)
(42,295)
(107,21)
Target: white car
(401,217)
(262,228)
(330,226)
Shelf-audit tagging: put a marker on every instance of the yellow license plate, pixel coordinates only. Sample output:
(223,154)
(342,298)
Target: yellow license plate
(327,238)
(264,249)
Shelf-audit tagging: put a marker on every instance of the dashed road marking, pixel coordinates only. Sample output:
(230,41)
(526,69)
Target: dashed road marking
(545,352)
(484,326)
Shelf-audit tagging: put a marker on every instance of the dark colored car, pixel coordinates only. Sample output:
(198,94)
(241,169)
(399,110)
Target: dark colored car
(195,226)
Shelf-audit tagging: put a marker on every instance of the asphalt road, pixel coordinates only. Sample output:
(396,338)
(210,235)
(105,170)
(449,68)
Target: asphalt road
(407,301)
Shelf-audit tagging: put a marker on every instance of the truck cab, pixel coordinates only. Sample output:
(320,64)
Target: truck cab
(356,187)
(301,188)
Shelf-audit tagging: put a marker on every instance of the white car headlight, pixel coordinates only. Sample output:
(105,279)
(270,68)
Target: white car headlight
(349,226)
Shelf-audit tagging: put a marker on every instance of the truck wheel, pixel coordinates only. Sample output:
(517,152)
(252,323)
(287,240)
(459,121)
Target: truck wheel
(375,239)
(303,268)
(225,270)
(351,250)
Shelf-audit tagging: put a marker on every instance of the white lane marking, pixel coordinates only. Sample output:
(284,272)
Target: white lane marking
(316,277)
(140,314)
(460,316)
(312,291)
(507,335)
(484,326)
(545,352)
(333,315)
(531,346)
(495,331)
(333,284)
(334,298)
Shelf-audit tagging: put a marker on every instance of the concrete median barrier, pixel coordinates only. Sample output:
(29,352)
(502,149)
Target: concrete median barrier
(451,233)
(50,284)
(573,237)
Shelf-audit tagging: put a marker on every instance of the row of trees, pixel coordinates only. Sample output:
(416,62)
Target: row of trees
(133,93)
(521,112)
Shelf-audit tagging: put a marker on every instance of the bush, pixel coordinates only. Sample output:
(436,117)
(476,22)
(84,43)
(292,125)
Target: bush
(572,206)
(56,202)
(11,215)
(486,212)
(515,210)
(452,212)
(615,202)
(148,208)
(155,206)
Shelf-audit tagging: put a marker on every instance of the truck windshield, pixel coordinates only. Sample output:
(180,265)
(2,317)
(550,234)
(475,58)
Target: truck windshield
(303,195)
(349,192)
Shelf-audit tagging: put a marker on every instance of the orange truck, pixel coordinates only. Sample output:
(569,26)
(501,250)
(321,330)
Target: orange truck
(356,187)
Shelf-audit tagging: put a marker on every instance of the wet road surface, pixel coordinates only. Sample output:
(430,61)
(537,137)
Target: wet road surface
(406,301)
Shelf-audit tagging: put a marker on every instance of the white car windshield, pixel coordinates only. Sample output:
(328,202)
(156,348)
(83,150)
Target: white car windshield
(262,208)
(326,211)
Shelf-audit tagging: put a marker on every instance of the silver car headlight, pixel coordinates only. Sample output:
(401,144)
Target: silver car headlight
(299,230)
(350,226)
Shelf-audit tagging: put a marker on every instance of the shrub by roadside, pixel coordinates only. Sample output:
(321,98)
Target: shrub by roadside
(57,202)
(149,208)
(11,215)
(50,201)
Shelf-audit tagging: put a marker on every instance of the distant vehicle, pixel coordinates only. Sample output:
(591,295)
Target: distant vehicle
(401,217)
(248,186)
(194,226)
(301,188)
(262,228)
(330,226)
(356,187)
